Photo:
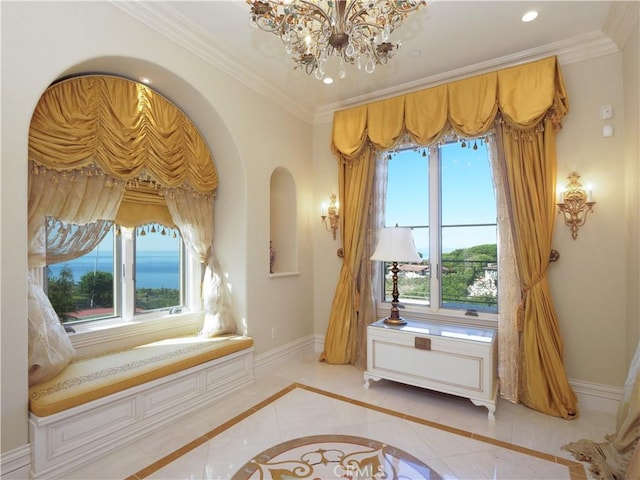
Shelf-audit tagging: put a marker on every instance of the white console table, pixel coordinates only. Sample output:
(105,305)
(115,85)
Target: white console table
(447,358)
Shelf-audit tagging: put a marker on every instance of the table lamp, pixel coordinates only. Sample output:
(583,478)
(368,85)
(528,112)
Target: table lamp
(395,244)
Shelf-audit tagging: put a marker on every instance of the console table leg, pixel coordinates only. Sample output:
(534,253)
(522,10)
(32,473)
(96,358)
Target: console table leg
(367,377)
(491,406)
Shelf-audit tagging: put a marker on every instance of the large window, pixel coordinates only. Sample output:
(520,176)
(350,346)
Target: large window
(131,272)
(446,195)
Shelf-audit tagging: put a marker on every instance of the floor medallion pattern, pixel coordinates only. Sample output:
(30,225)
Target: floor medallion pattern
(334,456)
(299,433)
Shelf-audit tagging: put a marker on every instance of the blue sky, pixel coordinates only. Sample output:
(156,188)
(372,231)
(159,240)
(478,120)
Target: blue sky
(467,195)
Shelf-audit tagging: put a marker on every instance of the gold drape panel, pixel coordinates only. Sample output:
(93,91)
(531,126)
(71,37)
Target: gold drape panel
(128,131)
(356,186)
(531,100)
(531,178)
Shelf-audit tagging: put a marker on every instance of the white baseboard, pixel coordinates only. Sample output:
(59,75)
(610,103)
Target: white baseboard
(278,353)
(595,396)
(591,396)
(15,464)
(318,344)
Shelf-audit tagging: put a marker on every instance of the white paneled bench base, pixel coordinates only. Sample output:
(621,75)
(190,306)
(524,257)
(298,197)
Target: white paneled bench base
(98,404)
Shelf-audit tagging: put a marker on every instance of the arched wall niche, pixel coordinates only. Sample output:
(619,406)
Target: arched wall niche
(230,220)
(283,225)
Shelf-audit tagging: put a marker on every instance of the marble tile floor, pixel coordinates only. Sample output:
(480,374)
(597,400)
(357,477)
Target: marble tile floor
(300,396)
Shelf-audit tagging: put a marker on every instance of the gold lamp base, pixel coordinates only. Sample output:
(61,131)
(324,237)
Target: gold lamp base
(395,321)
(394,317)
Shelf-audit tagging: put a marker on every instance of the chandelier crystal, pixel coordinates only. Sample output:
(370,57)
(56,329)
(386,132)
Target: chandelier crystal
(313,31)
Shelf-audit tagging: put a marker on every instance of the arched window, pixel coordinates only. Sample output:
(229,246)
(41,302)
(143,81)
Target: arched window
(110,155)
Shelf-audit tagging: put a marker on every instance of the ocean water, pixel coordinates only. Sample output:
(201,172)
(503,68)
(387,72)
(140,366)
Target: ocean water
(153,269)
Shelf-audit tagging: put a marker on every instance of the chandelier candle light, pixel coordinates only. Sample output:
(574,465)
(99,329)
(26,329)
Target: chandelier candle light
(395,244)
(355,31)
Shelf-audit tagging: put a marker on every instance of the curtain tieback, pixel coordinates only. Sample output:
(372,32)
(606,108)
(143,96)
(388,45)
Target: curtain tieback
(524,293)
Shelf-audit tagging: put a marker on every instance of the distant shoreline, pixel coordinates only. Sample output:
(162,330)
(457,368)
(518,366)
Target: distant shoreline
(154,269)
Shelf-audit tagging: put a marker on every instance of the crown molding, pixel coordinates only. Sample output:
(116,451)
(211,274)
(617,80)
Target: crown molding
(622,19)
(171,24)
(582,47)
(175,27)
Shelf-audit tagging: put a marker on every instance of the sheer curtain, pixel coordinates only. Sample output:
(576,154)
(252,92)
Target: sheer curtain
(66,241)
(192,212)
(370,276)
(81,196)
(509,282)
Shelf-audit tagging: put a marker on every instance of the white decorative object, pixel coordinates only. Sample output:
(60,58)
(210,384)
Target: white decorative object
(450,359)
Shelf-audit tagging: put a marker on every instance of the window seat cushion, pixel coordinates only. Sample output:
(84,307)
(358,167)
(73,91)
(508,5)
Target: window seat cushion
(87,379)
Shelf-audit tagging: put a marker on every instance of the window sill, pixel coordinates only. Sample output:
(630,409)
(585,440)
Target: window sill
(283,274)
(486,321)
(99,337)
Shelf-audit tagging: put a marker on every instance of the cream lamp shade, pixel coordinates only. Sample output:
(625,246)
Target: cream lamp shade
(395,244)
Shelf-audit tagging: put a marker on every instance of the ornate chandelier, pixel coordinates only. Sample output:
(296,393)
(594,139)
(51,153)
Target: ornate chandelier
(355,31)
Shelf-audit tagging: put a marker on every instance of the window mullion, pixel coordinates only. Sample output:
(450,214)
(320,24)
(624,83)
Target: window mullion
(128,287)
(435,221)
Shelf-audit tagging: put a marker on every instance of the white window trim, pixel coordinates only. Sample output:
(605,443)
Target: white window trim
(126,329)
(433,312)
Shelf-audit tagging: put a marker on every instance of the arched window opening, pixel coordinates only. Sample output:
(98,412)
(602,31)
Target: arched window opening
(110,163)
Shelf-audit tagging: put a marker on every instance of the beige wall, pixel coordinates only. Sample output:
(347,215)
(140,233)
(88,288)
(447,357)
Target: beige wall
(631,85)
(43,40)
(326,264)
(588,282)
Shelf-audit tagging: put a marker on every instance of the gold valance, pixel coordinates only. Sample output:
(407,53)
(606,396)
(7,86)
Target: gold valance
(142,204)
(124,128)
(523,95)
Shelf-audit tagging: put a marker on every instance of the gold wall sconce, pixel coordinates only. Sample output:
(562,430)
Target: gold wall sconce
(331,210)
(574,202)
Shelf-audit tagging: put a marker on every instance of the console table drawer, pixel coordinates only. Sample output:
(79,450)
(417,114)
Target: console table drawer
(448,368)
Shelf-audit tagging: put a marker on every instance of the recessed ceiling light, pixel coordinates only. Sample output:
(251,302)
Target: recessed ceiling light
(530,16)
(327,80)
(415,53)
(146,80)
